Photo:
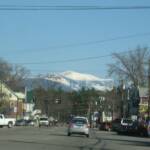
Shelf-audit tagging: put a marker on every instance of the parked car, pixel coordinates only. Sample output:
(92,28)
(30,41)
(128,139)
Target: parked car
(79,125)
(43,121)
(4,121)
(125,126)
(130,127)
(20,122)
(30,122)
(116,124)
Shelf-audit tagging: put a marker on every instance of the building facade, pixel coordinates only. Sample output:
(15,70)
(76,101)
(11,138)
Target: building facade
(11,103)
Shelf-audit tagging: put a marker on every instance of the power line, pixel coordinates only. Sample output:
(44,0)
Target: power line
(73,60)
(64,61)
(92,42)
(105,40)
(69,7)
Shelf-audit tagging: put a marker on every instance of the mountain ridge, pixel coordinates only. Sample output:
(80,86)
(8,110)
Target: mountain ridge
(71,81)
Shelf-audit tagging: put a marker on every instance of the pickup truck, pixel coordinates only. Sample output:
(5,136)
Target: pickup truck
(9,122)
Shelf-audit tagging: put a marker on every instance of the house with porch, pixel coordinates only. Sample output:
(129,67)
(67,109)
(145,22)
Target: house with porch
(11,103)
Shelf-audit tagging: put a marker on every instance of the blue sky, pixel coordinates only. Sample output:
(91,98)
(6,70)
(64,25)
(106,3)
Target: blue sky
(34,36)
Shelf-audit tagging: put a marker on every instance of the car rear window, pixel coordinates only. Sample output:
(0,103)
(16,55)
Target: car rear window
(43,119)
(79,121)
(127,121)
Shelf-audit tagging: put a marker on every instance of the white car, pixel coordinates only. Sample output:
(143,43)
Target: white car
(43,121)
(79,125)
(6,121)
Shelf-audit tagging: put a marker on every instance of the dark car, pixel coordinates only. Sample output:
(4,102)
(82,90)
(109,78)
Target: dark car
(30,123)
(130,127)
(126,126)
(20,122)
(116,124)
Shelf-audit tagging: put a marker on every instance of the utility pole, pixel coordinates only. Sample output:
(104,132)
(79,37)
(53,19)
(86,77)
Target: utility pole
(149,89)
(90,117)
(122,99)
(90,113)
(1,90)
(46,106)
(113,101)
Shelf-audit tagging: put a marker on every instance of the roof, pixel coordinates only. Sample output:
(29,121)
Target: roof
(20,95)
(80,117)
(8,89)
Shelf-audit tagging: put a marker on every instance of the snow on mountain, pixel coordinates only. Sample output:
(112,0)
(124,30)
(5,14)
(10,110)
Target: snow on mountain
(76,81)
(78,76)
(57,78)
(70,81)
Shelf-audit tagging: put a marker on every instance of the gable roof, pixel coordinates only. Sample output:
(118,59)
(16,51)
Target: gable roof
(9,90)
(20,95)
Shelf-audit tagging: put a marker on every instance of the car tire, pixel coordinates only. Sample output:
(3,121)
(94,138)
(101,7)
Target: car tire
(87,135)
(10,124)
(69,134)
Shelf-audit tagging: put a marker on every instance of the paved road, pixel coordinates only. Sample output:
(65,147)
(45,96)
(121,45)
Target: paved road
(30,138)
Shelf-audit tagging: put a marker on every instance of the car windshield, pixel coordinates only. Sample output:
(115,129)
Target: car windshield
(21,120)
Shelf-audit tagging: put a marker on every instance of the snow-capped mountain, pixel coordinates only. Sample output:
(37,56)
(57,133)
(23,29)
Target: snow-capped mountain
(71,80)
(79,76)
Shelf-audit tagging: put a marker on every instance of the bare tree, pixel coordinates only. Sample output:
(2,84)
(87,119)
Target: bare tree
(18,74)
(12,75)
(130,66)
(5,70)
